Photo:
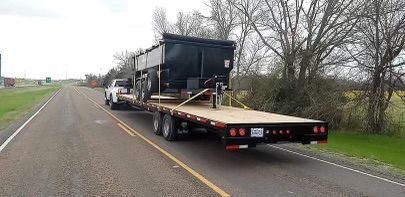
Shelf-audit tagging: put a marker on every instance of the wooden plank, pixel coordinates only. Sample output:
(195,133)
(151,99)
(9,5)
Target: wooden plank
(231,115)
(234,115)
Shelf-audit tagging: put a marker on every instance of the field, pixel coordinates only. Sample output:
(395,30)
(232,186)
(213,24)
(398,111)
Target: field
(387,149)
(16,102)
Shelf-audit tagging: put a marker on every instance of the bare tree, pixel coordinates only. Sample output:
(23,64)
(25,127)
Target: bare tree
(224,17)
(125,63)
(378,49)
(302,35)
(160,23)
(192,24)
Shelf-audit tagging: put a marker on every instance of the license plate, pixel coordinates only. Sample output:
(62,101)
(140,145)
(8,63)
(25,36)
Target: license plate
(256,132)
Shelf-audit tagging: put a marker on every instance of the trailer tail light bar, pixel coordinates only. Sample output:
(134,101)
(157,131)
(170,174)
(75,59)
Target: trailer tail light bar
(321,129)
(235,132)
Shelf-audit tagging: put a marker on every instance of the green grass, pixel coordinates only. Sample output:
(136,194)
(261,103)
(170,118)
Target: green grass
(99,89)
(387,149)
(16,102)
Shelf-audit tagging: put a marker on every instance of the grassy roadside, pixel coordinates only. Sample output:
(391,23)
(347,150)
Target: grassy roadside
(381,148)
(16,102)
(99,89)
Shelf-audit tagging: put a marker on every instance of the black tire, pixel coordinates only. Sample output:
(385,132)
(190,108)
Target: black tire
(157,123)
(106,101)
(150,85)
(113,106)
(169,127)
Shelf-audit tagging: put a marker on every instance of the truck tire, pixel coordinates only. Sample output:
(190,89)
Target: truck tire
(157,123)
(169,127)
(113,106)
(106,101)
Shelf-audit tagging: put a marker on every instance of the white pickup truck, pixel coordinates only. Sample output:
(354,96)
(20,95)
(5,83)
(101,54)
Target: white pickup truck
(117,86)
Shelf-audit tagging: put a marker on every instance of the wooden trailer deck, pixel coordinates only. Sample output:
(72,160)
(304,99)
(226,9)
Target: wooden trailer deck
(226,114)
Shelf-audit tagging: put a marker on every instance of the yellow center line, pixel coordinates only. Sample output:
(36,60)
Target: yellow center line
(126,130)
(170,156)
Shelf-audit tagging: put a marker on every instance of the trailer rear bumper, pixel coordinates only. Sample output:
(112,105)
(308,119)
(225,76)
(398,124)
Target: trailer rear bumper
(251,141)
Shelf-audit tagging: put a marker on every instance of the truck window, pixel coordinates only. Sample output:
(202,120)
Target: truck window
(121,83)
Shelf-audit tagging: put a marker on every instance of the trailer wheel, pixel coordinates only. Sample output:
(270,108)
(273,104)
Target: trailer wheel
(169,127)
(157,123)
(113,106)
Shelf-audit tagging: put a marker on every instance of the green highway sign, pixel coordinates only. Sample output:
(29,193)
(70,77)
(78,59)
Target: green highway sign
(48,80)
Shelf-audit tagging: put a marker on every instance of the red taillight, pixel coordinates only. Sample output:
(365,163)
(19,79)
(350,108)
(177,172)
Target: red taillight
(274,132)
(281,132)
(220,125)
(232,132)
(288,131)
(242,132)
(322,129)
(316,130)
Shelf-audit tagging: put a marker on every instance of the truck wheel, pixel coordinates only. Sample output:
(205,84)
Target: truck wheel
(157,123)
(169,127)
(113,106)
(106,101)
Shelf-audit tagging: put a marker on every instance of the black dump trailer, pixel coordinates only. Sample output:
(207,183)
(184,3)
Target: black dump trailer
(184,63)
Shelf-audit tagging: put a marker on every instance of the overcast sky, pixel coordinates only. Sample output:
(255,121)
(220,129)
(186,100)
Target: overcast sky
(53,37)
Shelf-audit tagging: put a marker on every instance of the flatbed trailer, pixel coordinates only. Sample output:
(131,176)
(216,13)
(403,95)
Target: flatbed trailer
(237,127)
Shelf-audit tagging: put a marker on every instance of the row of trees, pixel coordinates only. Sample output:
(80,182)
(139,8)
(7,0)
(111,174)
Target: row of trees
(301,57)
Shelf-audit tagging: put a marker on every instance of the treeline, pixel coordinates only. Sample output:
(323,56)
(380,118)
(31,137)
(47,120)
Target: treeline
(312,58)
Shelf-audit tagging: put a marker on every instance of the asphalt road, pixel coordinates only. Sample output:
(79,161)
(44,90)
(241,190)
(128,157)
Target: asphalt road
(75,148)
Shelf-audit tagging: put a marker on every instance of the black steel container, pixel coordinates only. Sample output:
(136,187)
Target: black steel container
(184,58)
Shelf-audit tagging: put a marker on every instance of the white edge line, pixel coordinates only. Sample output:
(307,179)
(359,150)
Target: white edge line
(26,122)
(337,165)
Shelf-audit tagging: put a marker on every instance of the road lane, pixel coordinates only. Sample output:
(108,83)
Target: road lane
(73,148)
(263,171)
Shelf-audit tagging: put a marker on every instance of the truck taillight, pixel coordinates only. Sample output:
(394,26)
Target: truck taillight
(242,131)
(322,129)
(316,129)
(287,131)
(232,132)
(281,132)
(274,132)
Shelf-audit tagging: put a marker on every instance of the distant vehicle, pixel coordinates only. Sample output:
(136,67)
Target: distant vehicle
(187,64)
(9,82)
(115,87)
